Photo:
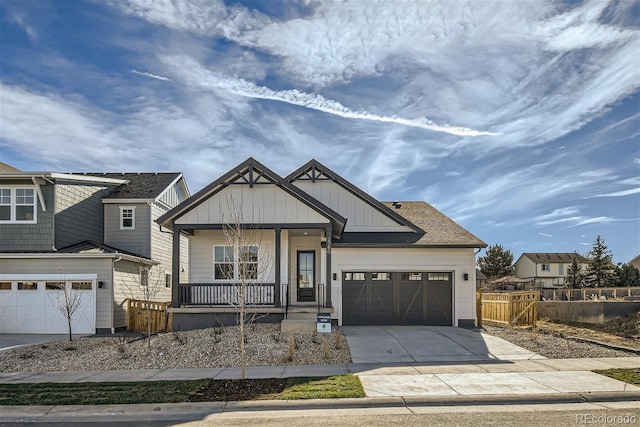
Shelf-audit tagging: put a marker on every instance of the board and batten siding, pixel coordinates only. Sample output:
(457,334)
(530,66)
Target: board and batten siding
(39,237)
(361,215)
(456,260)
(78,213)
(137,240)
(102,267)
(262,204)
(201,254)
(174,195)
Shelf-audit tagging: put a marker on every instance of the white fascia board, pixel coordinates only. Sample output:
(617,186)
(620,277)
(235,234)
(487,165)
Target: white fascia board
(88,178)
(127,201)
(71,256)
(53,276)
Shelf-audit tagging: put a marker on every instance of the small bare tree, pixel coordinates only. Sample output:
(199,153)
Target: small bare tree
(67,302)
(247,261)
(151,283)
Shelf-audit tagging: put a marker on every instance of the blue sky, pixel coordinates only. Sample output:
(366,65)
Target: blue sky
(520,120)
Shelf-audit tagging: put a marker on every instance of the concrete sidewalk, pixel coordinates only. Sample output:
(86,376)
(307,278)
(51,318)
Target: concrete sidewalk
(428,380)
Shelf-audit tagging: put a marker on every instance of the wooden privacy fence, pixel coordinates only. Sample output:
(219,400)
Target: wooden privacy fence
(139,317)
(509,308)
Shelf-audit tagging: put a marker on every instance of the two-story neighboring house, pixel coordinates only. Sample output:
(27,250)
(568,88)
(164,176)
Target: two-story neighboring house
(92,233)
(547,269)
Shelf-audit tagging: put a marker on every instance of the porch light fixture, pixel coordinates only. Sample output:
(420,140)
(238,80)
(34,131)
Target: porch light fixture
(465,276)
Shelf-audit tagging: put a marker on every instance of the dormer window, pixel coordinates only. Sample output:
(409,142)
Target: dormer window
(18,204)
(127,217)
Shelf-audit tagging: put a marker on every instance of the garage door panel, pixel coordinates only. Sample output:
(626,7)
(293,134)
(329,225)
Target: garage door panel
(439,303)
(354,302)
(410,303)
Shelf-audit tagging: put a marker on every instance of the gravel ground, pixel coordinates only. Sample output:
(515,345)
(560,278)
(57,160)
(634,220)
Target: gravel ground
(551,346)
(219,347)
(204,348)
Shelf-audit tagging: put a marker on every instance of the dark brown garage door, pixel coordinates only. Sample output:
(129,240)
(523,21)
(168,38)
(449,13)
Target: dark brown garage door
(392,298)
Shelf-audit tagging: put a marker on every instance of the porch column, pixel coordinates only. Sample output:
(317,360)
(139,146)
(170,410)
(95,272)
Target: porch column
(276,295)
(175,268)
(327,291)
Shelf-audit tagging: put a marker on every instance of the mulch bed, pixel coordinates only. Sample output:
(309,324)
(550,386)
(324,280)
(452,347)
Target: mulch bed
(234,390)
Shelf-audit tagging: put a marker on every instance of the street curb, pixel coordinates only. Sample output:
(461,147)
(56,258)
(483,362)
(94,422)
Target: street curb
(88,412)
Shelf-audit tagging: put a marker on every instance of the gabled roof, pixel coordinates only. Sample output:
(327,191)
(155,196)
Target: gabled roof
(140,185)
(313,171)
(7,168)
(90,246)
(439,229)
(555,257)
(252,172)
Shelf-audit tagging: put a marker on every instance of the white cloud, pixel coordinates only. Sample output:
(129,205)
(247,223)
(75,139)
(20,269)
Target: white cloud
(545,234)
(621,193)
(194,74)
(560,212)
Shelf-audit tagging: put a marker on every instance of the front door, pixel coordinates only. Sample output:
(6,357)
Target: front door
(306,276)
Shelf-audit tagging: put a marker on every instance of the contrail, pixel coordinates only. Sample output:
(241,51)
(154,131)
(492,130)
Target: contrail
(153,76)
(194,74)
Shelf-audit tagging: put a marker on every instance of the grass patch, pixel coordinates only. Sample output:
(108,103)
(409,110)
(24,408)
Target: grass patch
(207,390)
(107,393)
(339,386)
(631,376)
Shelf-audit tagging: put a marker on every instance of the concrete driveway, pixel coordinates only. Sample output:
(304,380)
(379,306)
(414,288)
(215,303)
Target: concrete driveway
(8,341)
(397,344)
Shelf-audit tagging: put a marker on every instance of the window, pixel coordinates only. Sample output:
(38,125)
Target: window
(561,269)
(54,286)
(5,286)
(17,205)
(411,276)
(144,276)
(230,264)
(439,276)
(81,286)
(353,276)
(167,280)
(127,217)
(380,276)
(27,286)
(546,267)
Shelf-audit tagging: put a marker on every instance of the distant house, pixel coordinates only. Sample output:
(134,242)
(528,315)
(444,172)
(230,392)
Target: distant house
(333,248)
(548,270)
(95,233)
(635,262)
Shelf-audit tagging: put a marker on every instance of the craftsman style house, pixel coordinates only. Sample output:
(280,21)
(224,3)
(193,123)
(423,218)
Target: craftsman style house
(93,233)
(318,243)
(548,270)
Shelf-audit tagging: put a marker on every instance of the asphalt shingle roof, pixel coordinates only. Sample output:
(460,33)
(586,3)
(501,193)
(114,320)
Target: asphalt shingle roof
(142,185)
(551,257)
(440,230)
(89,246)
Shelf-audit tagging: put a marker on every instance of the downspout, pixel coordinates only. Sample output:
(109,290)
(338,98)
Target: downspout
(113,295)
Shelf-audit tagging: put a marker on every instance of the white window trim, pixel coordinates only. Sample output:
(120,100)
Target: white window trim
(133,217)
(236,264)
(13,204)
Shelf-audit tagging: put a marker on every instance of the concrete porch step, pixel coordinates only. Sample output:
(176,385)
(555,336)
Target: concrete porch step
(298,326)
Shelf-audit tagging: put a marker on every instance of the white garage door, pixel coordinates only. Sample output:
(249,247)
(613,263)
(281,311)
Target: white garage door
(33,305)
